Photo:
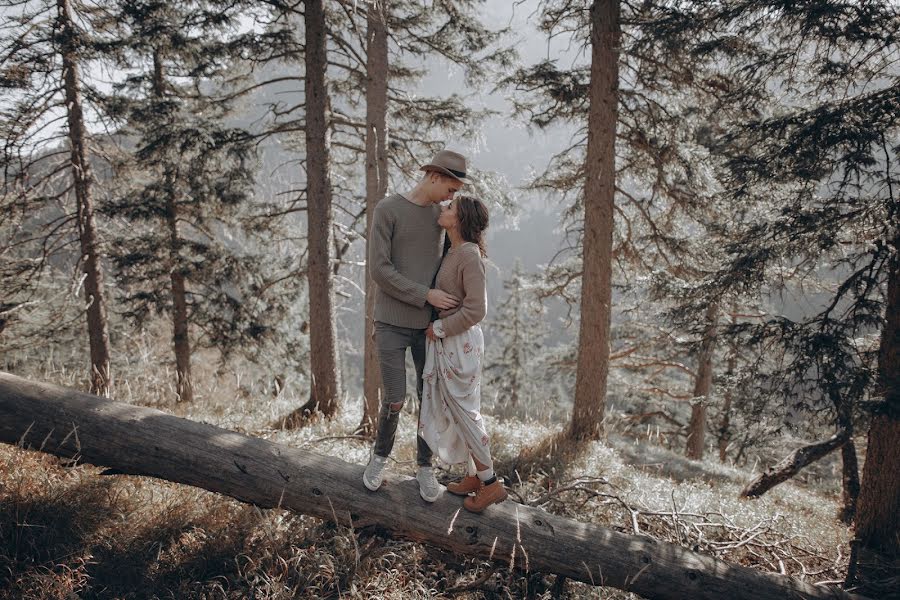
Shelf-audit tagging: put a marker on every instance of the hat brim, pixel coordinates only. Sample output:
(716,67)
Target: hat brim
(444,171)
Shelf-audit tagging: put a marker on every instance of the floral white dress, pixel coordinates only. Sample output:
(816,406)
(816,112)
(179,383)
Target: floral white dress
(451,420)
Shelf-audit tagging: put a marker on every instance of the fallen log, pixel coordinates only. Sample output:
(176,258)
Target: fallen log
(793,463)
(144,441)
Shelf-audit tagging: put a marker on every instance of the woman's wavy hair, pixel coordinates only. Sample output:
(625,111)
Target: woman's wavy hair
(473,220)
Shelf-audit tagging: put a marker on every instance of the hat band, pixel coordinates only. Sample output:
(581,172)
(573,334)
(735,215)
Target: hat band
(460,174)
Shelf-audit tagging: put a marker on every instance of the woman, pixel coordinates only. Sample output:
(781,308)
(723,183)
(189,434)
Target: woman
(450,419)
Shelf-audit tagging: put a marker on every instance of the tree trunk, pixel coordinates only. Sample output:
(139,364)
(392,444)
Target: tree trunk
(376,188)
(518,348)
(702,386)
(143,441)
(793,463)
(325,391)
(849,465)
(184,382)
(599,197)
(513,394)
(98,333)
(725,422)
(878,510)
(184,387)
(850,481)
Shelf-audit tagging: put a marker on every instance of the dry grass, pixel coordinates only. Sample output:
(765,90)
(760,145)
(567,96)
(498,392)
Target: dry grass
(68,532)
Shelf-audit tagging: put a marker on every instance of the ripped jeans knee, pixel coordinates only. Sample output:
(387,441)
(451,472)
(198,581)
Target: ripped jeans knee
(388,418)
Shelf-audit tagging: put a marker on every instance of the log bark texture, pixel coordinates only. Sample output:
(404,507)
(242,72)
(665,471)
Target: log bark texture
(144,441)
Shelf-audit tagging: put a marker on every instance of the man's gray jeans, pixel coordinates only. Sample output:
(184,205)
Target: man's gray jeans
(392,342)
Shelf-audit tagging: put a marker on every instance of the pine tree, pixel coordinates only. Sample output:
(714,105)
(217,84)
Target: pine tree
(696,441)
(43,54)
(376,189)
(662,187)
(326,383)
(517,333)
(402,129)
(187,250)
(821,175)
(599,190)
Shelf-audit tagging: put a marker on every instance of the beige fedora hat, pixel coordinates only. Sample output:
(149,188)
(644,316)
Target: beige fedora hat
(447,162)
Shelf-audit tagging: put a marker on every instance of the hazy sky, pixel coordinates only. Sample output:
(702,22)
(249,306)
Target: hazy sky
(507,146)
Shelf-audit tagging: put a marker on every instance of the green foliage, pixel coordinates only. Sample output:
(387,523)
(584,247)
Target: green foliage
(421,39)
(756,169)
(189,206)
(818,177)
(40,258)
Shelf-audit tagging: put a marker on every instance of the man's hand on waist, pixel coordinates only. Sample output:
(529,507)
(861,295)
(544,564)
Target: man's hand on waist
(441,300)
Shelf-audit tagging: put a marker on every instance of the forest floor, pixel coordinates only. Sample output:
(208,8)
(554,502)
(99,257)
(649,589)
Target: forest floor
(69,532)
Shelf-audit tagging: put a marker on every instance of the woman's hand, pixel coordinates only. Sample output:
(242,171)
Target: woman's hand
(429,333)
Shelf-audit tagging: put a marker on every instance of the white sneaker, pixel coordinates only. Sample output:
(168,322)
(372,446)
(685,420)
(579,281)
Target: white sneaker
(429,488)
(374,473)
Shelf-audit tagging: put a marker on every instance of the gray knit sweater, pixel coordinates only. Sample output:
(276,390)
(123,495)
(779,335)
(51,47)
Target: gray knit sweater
(405,247)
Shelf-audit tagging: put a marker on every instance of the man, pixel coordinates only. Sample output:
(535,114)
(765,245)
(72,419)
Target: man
(405,250)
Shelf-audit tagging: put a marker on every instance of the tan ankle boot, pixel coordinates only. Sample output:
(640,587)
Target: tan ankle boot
(464,486)
(485,496)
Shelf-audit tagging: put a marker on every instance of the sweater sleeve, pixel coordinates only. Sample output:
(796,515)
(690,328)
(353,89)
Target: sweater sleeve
(474,301)
(381,267)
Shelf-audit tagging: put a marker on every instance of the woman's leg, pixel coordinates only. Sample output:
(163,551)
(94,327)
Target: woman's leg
(484,472)
(470,483)
(489,490)
(471,467)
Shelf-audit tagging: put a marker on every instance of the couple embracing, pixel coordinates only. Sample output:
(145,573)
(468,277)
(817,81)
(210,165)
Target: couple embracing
(405,252)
